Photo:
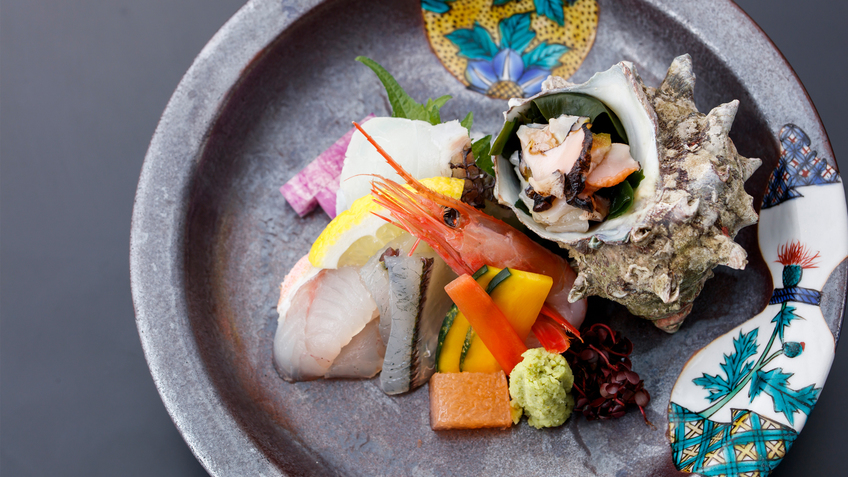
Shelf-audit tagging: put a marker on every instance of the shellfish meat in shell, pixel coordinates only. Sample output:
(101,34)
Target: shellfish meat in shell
(654,257)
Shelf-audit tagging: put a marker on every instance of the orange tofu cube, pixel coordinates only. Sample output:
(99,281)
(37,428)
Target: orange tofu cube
(469,401)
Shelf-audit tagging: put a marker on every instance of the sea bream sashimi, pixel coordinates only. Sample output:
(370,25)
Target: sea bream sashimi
(322,312)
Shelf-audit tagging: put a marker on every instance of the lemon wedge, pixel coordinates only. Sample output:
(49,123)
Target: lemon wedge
(356,234)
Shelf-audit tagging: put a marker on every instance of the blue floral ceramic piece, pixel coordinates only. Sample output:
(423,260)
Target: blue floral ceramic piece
(740,402)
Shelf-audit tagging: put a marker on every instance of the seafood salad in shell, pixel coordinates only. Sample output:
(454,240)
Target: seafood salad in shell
(655,256)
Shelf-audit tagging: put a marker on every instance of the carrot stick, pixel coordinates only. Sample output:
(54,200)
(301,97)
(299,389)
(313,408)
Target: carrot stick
(488,321)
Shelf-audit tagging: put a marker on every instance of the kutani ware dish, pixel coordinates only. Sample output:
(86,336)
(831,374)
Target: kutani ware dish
(212,238)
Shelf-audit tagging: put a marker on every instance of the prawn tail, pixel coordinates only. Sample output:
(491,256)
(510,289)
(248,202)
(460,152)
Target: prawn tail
(554,315)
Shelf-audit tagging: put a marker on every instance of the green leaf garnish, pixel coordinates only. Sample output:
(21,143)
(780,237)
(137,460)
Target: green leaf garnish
(636,178)
(482,157)
(433,107)
(467,121)
(520,205)
(403,106)
(622,194)
(504,136)
(576,104)
(553,106)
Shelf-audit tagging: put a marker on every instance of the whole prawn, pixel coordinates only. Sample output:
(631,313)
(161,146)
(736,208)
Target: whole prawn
(467,239)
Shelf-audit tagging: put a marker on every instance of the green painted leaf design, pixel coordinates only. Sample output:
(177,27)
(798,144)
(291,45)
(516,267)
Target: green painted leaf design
(516,33)
(482,156)
(783,318)
(436,6)
(544,56)
(552,9)
(787,401)
(474,43)
(504,2)
(735,366)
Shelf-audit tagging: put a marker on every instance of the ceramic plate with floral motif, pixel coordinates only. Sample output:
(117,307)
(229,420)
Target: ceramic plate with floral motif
(212,239)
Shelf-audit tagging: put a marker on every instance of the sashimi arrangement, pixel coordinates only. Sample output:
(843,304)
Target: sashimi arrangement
(434,269)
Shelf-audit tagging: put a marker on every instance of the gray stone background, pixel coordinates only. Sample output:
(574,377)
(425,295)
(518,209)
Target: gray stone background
(82,85)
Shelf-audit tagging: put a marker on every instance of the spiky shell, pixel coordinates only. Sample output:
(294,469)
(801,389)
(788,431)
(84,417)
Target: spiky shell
(656,259)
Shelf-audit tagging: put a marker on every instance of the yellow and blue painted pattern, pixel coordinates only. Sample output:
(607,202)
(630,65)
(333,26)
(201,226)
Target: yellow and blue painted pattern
(506,48)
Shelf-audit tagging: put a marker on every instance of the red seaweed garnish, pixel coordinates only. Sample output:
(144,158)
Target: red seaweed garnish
(604,383)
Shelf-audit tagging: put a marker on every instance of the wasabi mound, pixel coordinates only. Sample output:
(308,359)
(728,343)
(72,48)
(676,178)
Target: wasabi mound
(539,387)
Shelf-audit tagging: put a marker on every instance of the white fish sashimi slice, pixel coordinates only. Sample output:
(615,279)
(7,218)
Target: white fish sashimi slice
(341,309)
(376,279)
(290,355)
(297,276)
(362,357)
(424,150)
(323,314)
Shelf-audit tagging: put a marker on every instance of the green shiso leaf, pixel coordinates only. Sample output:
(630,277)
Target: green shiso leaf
(544,108)
(621,200)
(576,104)
(433,107)
(482,157)
(622,194)
(467,121)
(636,178)
(520,205)
(403,106)
(505,135)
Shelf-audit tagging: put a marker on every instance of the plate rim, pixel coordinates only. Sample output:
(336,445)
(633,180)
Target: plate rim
(161,205)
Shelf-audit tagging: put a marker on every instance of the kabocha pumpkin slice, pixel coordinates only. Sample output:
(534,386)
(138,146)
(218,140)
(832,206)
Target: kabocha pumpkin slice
(469,401)
(488,321)
(455,329)
(451,339)
(520,297)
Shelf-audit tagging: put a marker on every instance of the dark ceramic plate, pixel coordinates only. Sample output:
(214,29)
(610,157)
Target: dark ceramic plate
(212,237)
